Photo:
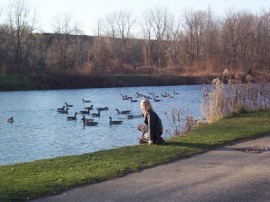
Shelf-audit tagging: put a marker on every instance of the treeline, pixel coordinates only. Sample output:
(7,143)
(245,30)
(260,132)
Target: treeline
(199,42)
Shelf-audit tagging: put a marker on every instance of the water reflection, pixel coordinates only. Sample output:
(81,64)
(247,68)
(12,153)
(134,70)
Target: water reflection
(39,131)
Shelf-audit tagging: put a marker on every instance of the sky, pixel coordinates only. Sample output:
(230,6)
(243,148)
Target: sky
(88,12)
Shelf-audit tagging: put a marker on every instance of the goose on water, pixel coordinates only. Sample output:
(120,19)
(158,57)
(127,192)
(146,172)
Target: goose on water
(63,111)
(96,114)
(89,122)
(132,100)
(102,108)
(72,118)
(114,122)
(85,100)
(91,107)
(10,120)
(131,116)
(156,100)
(68,105)
(85,112)
(122,112)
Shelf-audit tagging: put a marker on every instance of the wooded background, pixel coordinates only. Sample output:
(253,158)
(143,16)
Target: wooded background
(197,43)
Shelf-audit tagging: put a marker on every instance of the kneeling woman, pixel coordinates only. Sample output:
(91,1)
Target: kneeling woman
(152,133)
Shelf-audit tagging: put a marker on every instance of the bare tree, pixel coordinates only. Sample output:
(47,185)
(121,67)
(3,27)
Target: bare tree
(66,44)
(162,20)
(261,42)
(117,28)
(195,26)
(235,34)
(21,25)
(147,31)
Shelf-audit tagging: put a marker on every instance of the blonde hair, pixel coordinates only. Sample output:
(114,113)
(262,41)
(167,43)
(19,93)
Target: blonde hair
(145,106)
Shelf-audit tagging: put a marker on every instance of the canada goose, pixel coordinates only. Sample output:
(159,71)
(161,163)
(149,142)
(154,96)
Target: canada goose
(102,108)
(156,100)
(131,116)
(176,93)
(89,122)
(72,118)
(63,111)
(90,108)
(114,122)
(131,100)
(124,97)
(96,114)
(85,100)
(10,120)
(123,112)
(67,105)
(85,112)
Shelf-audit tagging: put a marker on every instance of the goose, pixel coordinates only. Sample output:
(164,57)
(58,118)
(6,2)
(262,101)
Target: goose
(147,97)
(72,118)
(176,93)
(67,105)
(64,111)
(124,97)
(85,112)
(10,120)
(61,109)
(96,114)
(89,122)
(131,100)
(114,122)
(90,108)
(85,100)
(131,116)
(123,112)
(102,108)
(156,100)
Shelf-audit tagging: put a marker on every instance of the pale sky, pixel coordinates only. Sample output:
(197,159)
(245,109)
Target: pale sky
(88,12)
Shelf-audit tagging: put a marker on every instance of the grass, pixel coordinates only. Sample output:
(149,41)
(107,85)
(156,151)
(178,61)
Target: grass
(46,177)
(16,82)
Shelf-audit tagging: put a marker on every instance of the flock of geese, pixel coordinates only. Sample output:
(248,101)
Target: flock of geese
(86,111)
(90,119)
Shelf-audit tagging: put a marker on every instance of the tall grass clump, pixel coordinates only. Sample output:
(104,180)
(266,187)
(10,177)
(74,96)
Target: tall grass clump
(229,96)
(178,123)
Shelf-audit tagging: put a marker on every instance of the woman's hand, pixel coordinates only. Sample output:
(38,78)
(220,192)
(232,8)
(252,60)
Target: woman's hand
(150,142)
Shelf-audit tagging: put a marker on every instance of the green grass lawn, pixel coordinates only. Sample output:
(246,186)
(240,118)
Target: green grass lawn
(46,177)
(16,82)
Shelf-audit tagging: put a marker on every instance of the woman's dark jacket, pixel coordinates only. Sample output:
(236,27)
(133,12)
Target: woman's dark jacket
(154,124)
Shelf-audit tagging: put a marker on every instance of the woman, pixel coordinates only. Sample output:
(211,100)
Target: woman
(152,133)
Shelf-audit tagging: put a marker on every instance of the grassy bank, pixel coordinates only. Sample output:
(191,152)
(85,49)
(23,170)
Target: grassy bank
(16,82)
(46,177)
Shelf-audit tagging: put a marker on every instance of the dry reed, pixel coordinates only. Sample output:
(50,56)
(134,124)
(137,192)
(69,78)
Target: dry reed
(234,97)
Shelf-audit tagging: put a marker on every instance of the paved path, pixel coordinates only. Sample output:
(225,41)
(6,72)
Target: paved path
(225,174)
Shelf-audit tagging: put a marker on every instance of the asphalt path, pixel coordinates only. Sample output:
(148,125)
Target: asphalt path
(240,172)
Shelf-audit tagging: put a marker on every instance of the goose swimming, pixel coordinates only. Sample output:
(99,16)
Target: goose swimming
(10,120)
(85,100)
(72,118)
(114,122)
(123,112)
(89,122)
(68,105)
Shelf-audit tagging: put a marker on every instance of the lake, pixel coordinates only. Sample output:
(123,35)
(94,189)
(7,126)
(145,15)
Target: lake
(40,132)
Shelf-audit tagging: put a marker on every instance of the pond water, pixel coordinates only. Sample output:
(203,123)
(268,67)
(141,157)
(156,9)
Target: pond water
(40,132)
